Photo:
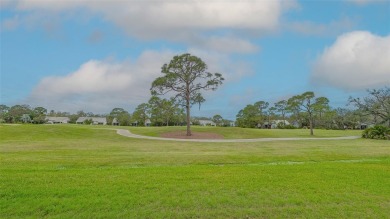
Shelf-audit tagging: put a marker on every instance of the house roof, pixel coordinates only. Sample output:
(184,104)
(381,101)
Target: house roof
(281,121)
(94,119)
(57,119)
(204,121)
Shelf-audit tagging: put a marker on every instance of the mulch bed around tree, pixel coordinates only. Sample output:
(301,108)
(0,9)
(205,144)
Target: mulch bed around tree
(195,135)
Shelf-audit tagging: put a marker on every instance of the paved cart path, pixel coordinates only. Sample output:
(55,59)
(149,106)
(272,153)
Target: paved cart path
(127,133)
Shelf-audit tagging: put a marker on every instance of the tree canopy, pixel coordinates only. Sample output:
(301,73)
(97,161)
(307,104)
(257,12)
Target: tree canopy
(307,103)
(376,104)
(186,76)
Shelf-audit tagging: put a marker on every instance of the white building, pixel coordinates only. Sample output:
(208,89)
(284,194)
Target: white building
(57,120)
(207,123)
(95,120)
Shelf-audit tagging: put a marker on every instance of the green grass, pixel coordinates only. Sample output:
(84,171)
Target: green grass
(74,171)
(240,133)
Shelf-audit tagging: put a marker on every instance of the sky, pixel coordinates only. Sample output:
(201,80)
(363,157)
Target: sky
(96,55)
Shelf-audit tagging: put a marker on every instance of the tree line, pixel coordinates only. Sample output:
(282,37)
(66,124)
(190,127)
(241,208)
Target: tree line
(157,111)
(299,111)
(307,110)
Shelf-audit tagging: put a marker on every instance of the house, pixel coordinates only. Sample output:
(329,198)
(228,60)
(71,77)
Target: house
(95,120)
(203,122)
(115,121)
(273,124)
(57,120)
(276,123)
(363,126)
(146,123)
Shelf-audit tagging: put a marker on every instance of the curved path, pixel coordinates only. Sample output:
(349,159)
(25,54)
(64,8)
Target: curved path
(127,133)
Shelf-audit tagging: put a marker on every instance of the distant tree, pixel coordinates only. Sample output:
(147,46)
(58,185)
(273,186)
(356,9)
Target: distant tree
(262,105)
(270,115)
(4,113)
(179,117)
(52,113)
(186,76)
(38,115)
(248,117)
(73,118)
(218,120)
(88,122)
(376,104)
(17,111)
(4,108)
(123,117)
(320,108)
(81,113)
(141,114)
(90,114)
(307,103)
(163,110)
(25,118)
(282,107)
(40,111)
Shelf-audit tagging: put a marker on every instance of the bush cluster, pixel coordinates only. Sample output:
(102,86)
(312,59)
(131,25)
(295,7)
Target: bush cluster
(282,126)
(377,132)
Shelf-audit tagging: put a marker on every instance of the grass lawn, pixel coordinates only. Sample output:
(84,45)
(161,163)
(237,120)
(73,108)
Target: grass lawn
(70,171)
(240,133)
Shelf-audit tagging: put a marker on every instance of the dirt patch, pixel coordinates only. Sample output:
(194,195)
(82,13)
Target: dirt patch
(195,135)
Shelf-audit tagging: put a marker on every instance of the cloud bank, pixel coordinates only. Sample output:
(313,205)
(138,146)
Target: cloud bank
(219,25)
(101,85)
(357,60)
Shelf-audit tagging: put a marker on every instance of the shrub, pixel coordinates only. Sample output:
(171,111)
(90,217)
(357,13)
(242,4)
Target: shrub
(88,122)
(377,132)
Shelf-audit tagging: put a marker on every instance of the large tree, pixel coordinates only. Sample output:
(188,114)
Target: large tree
(281,107)
(141,114)
(186,76)
(123,117)
(249,117)
(16,112)
(307,103)
(376,104)
(39,115)
(163,110)
(4,113)
(218,119)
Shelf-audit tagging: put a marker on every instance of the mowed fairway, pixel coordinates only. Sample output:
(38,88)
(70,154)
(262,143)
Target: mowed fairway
(70,171)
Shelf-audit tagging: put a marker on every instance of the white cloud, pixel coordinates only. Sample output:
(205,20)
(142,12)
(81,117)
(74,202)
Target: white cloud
(357,60)
(162,15)
(189,21)
(101,85)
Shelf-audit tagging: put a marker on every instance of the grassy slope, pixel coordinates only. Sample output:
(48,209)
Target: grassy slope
(234,132)
(77,171)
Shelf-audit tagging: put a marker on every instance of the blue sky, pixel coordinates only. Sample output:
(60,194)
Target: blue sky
(97,55)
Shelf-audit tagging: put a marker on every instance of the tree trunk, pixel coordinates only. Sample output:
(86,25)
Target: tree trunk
(188,119)
(311,125)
